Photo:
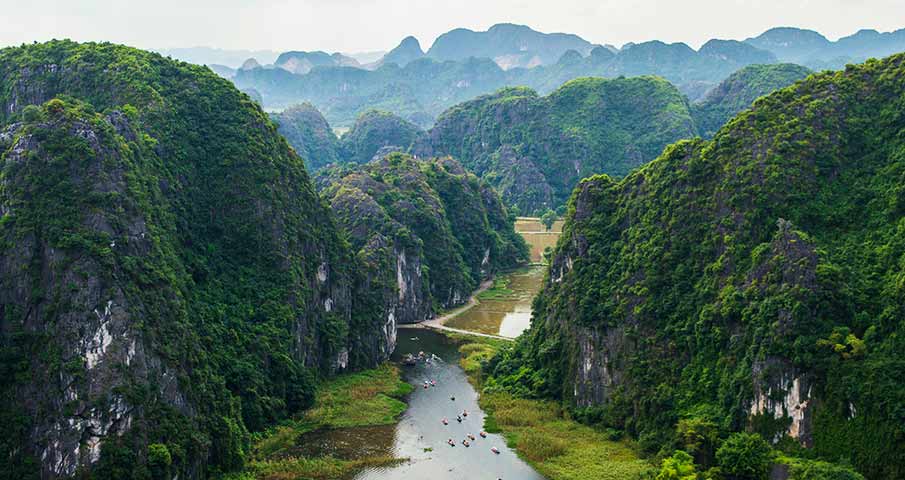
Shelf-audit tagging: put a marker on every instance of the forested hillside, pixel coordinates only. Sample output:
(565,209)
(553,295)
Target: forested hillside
(752,282)
(428,226)
(535,149)
(309,134)
(739,91)
(169,279)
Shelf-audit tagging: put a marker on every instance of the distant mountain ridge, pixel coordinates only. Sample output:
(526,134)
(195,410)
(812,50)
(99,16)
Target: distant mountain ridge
(303,62)
(423,87)
(534,149)
(813,50)
(463,64)
(217,56)
(508,45)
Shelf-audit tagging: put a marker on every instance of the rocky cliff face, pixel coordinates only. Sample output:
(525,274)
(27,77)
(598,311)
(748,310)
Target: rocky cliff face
(64,300)
(733,282)
(428,232)
(168,276)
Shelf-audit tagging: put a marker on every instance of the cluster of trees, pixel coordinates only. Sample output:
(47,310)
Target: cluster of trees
(766,260)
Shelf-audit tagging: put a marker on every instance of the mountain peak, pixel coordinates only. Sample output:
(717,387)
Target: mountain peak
(250,64)
(408,49)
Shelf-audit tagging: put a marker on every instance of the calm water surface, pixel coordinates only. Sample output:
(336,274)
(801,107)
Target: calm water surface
(420,427)
(508,315)
(420,434)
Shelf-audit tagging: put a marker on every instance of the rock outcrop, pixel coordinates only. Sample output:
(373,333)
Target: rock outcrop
(753,281)
(427,231)
(168,275)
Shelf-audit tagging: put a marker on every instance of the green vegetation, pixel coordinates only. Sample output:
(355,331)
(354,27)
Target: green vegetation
(745,456)
(548,219)
(309,134)
(543,433)
(374,130)
(402,213)
(680,466)
(802,469)
(498,290)
(367,398)
(749,283)
(169,277)
(740,90)
(535,149)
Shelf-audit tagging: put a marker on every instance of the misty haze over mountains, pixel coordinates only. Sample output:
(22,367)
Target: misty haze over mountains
(418,84)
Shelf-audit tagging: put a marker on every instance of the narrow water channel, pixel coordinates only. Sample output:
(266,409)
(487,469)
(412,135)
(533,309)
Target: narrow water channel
(421,436)
(506,313)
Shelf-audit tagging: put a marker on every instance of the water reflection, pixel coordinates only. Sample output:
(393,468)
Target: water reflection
(507,315)
(422,437)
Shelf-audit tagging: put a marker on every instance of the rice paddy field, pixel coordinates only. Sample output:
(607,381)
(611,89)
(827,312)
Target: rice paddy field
(537,236)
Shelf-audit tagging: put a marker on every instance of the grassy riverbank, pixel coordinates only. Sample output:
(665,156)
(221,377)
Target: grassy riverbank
(542,432)
(363,399)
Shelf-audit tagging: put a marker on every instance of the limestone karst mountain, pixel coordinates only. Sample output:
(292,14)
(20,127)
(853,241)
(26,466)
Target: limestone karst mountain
(752,282)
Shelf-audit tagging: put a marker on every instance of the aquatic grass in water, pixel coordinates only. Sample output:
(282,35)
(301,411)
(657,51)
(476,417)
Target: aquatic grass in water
(543,434)
(323,468)
(362,399)
(370,397)
(498,290)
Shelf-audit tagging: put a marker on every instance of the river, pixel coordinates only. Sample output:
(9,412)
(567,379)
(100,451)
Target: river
(507,313)
(420,436)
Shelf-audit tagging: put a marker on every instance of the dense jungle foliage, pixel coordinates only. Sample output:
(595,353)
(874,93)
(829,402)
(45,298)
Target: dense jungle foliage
(159,186)
(739,91)
(535,149)
(434,211)
(752,282)
(374,130)
(309,134)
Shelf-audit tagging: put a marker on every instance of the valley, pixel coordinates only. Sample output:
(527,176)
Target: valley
(506,254)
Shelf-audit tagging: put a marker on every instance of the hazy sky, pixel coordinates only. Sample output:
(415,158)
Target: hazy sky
(364,25)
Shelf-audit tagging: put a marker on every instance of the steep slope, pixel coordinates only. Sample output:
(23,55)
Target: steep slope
(427,231)
(535,149)
(408,50)
(740,90)
(308,132)
(374,131)
(755,281)
(169,279)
